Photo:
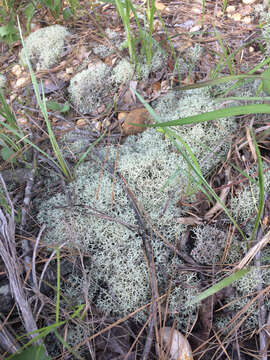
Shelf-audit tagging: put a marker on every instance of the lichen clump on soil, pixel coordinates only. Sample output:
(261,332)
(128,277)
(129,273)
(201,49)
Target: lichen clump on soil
(44,46)
(119,275)
(89,88)
(102,222)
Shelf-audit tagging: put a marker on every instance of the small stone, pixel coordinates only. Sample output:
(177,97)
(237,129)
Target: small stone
(101,108)
(81,122)
(195,28)
(106,123)
(22,121)
(69,70)
(236,17)
(247,20)
(16,70)
(230,9)
(21,82)
(97,126)
(196,10)
(12,97)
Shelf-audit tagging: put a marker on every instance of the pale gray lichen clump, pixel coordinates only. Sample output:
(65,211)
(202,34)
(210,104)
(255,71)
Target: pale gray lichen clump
(89,87)
(101,218)
(209,244)
(102,51)
(44,46)
(123,72)
(118,263)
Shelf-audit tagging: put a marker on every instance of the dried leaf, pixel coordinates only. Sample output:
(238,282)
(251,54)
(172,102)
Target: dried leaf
(137,116)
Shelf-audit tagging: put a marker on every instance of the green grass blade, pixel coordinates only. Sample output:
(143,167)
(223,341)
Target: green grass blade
(225,53)
(218,81)
(33,353)
(42,104)
(215,114)
(59,337)
(245,174)
(261,188)
(25,140)
(7,114)
(220,285)
(170,45)
(87,152)
(252,71)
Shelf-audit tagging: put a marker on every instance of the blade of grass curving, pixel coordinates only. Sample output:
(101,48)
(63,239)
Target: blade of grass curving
(196,169)
(231,56)
(170,44)
(261,189)
(218,81)
(150,17)
(9,141)
(252,71)
(220,285)
(33,353)
(244,173)
(206,188)
(123,10)
(69,348)
(145,38)
(43,332)
(189,158)
(185,145)
(31,144)
(214,115)
(224,7)
(7,114)
(141,33)
(203,12)
(225,53)
(42,104)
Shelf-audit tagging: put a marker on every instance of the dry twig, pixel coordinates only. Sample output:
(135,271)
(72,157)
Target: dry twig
(11,261)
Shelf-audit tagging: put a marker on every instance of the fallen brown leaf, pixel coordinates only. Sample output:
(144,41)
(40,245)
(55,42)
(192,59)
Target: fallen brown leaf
(137,116)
